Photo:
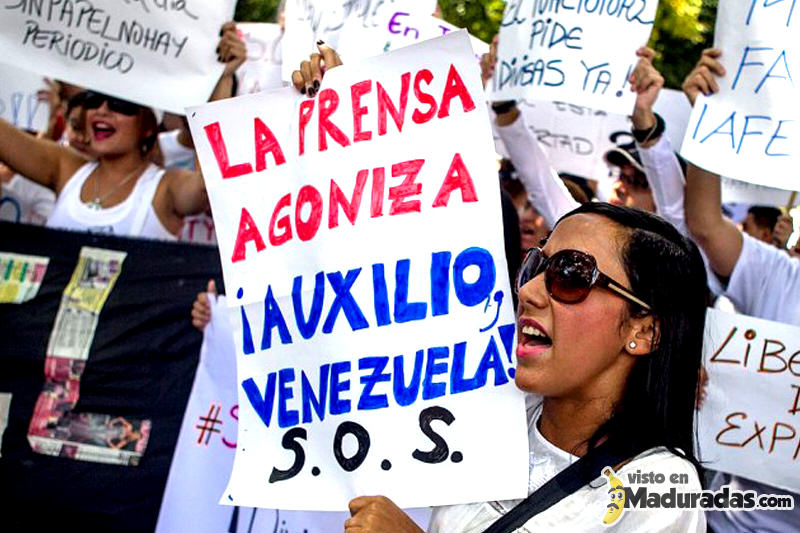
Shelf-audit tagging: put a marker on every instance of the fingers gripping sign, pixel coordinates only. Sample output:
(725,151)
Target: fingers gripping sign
(307,80)
(377,514)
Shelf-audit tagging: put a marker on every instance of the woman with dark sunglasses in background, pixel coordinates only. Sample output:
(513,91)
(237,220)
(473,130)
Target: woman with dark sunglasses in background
(120,192)
(610,331)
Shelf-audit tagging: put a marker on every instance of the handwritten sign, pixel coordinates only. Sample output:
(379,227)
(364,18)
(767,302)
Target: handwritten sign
(743,192)
(575,138)
(581,52)
(262,70)
(750,422)
(153,52)
(19,100)
(393,29)
(750,130)
(310,20)
(361,240)
(204,454)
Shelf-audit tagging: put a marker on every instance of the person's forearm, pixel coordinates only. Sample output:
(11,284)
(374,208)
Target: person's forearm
(224,88)
(34,158)
(719,238)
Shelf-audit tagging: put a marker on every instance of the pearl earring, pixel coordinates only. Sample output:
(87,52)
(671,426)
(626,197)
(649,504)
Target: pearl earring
(632,345)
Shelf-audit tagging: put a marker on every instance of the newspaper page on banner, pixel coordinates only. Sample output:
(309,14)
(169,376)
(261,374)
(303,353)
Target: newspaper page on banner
(204,454)
(581,53)
(575,138)
(55,429)
(393,29)
(19,98)
(749,424)
(262,70)
(363,236)
(159,54)
(750,130)
(21,276)
(308,21)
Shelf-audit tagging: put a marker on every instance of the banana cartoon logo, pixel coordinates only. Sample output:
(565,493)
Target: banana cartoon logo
(616,493)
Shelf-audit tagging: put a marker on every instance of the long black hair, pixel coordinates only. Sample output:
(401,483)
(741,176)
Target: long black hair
(665,270)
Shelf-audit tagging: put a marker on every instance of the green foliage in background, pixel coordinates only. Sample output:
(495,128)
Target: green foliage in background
(682,30)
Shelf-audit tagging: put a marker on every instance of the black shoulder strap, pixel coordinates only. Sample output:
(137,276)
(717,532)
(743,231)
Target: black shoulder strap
(568,481)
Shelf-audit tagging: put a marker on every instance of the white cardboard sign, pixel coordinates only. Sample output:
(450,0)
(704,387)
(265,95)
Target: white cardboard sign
(19,100)
(749,424)
(580,52)
(750,129)
(363,235)
(204,454)
(262,70)
(393,29)
(575,138)
(308,21)
(156,53)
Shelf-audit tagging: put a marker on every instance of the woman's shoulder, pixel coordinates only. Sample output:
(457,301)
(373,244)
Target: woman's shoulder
(675,468)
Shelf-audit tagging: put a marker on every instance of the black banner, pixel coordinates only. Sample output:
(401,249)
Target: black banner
(141,366)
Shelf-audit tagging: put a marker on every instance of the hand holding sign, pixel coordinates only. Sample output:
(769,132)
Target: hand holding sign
(376,514)
(703,78)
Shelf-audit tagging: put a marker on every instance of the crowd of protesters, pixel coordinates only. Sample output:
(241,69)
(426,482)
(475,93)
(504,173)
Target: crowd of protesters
(611,294)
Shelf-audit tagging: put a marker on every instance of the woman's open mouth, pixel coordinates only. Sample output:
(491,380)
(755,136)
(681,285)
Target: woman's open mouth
(533,339)
(102,130)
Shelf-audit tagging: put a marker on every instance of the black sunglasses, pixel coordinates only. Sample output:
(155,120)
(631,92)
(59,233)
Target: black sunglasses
(95,100)
(569,276)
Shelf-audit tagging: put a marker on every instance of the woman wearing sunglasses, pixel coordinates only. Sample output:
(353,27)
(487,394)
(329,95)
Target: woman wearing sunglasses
(610,328)
(121,192)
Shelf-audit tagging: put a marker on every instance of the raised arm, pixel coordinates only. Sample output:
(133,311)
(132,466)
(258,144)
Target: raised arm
(187,189)
(719,238)
(41,160)
(661,165)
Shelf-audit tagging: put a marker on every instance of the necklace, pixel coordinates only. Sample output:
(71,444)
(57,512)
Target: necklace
(97,203)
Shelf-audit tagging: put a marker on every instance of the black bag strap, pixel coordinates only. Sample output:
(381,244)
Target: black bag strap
(568,481)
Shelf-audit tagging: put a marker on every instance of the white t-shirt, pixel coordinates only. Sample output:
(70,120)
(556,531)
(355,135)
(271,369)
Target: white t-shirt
(765,283)
(23,200)
(585,509)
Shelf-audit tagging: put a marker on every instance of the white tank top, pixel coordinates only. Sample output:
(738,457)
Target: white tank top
(134,217)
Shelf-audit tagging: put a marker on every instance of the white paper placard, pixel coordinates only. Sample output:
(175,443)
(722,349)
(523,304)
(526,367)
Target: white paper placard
(750,130)
(19,100)
(749,424)
(736,191)
(393,29)
(308,21)
(159,54)
(204,454)
(262,70)
(575,138)
(579,52)
(376,331)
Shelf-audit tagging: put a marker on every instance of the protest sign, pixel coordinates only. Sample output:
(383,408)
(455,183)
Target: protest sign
(743,192)
(369,382)
(581,53)
(749,129)
(203,456)
(749,423)
(262,70)
(159,54)
(393,29)
(575,138)
(308,21)
(674,108)
(19,99)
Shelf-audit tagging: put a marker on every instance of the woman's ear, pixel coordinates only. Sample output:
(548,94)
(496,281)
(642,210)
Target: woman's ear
(643,335)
